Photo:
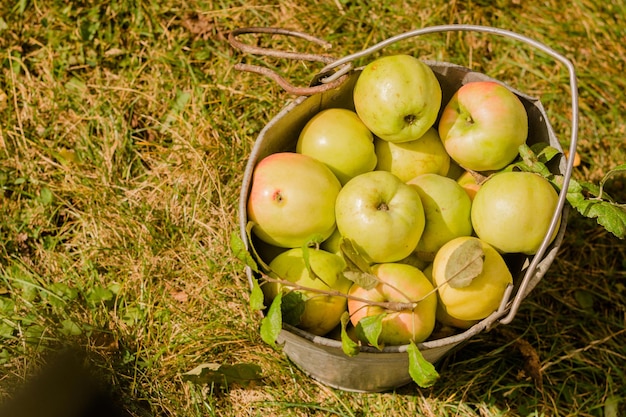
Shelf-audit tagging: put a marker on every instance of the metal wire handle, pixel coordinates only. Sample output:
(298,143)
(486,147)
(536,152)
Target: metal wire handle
(342,66)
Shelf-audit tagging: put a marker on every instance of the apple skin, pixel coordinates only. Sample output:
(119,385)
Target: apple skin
(321,313)
(512,211)
(469,184)
(399,283)
(483,295)
(292,198)
(338,138)
(483,126)
(409,159)
(447,209)
(398,97)
(382,215)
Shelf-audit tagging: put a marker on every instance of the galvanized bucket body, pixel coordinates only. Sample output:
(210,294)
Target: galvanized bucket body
(372,370)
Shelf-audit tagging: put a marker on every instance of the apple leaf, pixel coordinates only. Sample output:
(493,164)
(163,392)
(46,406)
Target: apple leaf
(272,323)
(256,296)
(357,270)
(292,307)
(239,250)
(465,264)
(422,372)
(349,346)
(223,375)
(312,273)
(370,327)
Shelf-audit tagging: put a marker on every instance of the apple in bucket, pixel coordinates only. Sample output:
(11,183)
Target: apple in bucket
(292,200)
(381,214)
(319,309)
(398,97)
(334,133)
(411,309)
(483,125)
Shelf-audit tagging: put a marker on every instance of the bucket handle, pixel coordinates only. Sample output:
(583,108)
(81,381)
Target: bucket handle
(341,67)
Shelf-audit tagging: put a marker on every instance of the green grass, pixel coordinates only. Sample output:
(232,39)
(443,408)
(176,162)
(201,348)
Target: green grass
(124,131)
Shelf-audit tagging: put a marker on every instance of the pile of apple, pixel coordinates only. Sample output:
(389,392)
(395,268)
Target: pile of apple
(378,212)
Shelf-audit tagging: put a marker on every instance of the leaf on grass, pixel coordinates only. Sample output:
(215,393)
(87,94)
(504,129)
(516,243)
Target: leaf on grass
(357,270)
(257,300)
(370,327)
(240,251)
(223,375)
(272,323)
(422,372)
(349,346)
(292,307)
(464,264)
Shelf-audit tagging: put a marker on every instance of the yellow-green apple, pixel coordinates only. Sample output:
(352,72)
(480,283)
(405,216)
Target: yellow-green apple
(382,215)
(512,211)
(332,244)
(398,283)
(292,199)
(398,97)
(338,138)
(482,296)
(409,159)
(469,184)
(447,209)
(322,312)
(483,126)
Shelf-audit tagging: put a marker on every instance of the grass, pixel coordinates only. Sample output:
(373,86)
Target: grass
(124,131)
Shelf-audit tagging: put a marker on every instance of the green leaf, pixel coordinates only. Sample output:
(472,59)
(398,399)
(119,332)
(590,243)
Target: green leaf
(545,153)
(99,294)
(357,270)
(257,299)
(349,346)
(45,196)
(239,250)
(464,264)
(608,215)
(70,328)
(223,376)
(272,323)
(292,307)
(370,327)
(422,372)
(307,262)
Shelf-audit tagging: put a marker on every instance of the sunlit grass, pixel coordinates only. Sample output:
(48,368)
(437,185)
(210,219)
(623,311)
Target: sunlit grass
(124,131)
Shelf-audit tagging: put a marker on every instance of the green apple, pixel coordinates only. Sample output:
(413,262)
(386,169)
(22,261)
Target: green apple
(485,291)
(403,284)
(398,97)
(447,209)
(322,312)
(483,126)
(382,215)
(338,138)
(512,211)
(292,199)
(409,159)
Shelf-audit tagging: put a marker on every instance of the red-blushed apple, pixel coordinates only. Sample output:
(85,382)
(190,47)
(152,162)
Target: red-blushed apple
(485,291)
(512,211)
(398,97)
(447,208)
(399,283)
(382,215)
(409,159)
(338,138)
(292,199)
(483,125)
(322,312)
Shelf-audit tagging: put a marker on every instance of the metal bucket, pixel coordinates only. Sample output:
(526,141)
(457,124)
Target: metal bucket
(374,370)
